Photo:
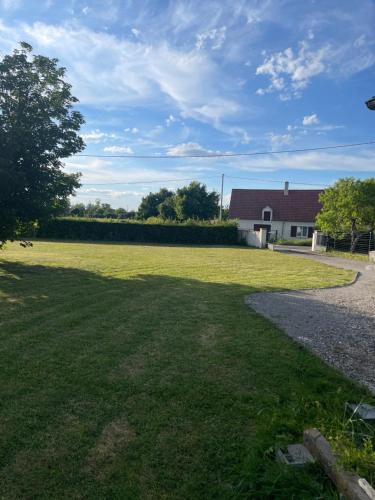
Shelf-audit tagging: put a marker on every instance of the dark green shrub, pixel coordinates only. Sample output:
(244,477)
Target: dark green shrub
(94,230)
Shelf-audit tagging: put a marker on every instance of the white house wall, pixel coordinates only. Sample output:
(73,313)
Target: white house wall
(283,228)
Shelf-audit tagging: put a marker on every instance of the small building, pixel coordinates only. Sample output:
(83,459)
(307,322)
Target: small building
(287,213)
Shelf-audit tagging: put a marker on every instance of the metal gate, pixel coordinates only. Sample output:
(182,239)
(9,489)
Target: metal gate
(272,236)
(364,242)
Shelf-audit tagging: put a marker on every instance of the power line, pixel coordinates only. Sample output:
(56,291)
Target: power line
(230,155)
(159,181)
(274,180)
(155,181)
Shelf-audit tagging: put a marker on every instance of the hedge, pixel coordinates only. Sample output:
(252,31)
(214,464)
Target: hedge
(94,230)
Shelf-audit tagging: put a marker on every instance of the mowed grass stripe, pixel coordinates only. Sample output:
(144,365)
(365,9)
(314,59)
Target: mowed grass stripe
(138,372)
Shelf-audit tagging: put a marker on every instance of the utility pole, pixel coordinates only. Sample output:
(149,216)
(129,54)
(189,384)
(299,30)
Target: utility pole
(221,197)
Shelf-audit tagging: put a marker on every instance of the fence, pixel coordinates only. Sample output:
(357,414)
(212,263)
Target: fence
(272,236)
(363,243)
(342,242)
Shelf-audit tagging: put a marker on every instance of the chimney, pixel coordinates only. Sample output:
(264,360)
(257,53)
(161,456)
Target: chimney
(286,188)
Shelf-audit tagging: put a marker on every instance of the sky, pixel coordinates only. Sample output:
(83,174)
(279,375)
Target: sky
(166,78)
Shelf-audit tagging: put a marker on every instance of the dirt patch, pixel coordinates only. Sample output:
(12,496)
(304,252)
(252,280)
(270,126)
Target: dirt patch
(207,337)
(115,437)
(132,366)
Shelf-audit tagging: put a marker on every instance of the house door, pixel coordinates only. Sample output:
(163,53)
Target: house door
(262,226)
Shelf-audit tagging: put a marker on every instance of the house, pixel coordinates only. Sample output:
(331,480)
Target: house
(287,213)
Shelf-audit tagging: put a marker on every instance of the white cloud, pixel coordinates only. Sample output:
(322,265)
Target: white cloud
(154,132)
(216,38)
(171,119)
(118,149)
(252,18)
(350,162)
(189,148)
(125,198)
(132,130)
(238,134)
(103,171)
(10,4)
(96,136)
(213,110)
(310,119)
(110,192)
(280,139)
(136,32)
(197,169)
(246,138)
(108,71)
(312,123)
(291,72)
(360,41)
(111,170)
(328,127)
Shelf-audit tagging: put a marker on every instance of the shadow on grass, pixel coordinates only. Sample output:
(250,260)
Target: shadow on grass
(152,386)
(139,243)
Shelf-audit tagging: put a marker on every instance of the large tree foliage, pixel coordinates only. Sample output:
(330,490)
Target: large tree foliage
(195,202)
(348,207)
(149,206)
(167,209)
(189,202)
(38,127)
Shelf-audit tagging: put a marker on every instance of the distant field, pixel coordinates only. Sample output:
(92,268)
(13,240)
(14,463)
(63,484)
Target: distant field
(134,371)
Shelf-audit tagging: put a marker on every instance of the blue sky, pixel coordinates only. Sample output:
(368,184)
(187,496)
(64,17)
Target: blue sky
(180,77)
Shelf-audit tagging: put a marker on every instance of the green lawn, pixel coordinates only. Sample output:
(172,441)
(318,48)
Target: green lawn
(135,371)
(346,255)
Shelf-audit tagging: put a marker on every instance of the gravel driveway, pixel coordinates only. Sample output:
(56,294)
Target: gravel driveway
(336,323)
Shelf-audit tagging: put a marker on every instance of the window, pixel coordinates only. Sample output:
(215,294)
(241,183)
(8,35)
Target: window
(301,231)
(266,215)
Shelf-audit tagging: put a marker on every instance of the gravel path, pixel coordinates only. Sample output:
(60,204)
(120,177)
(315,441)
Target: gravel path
(336,323)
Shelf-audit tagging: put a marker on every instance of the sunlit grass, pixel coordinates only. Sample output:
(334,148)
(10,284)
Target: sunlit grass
(346,255)
(137,371)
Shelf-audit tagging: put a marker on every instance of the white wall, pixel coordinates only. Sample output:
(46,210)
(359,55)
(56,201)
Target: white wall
(282,228)
(316,245)
(257,239)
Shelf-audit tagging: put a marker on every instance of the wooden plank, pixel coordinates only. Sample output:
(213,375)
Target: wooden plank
(351,486)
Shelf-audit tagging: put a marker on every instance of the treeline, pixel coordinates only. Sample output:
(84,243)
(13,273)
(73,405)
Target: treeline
(192,202)
(189,202)
(98,210)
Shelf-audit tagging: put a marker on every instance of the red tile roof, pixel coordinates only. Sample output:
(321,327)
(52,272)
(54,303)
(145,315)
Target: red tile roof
(300,205)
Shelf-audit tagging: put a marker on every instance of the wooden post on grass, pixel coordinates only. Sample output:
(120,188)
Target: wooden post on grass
(351,486)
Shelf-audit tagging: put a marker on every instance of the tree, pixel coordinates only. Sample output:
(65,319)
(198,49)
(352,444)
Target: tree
(77,210)
(38,127)
(99,210)
(149,206)
(348,207)
(225,213)
(167,208)
(194,202)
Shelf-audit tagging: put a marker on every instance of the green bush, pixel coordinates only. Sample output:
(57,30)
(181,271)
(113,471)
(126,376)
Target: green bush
(298,243)
(95,230)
